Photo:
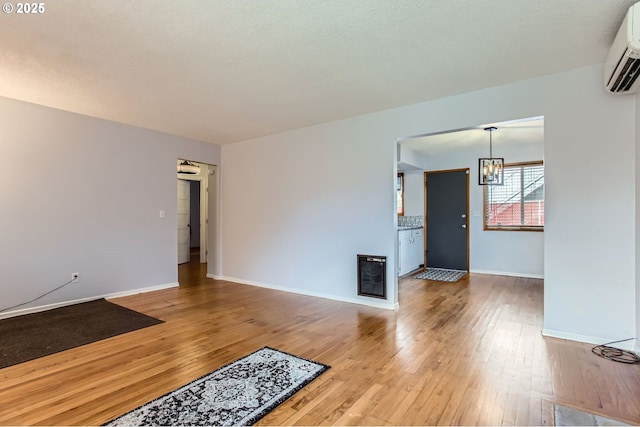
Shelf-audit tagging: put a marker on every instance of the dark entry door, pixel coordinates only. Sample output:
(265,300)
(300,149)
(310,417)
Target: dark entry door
(447,219)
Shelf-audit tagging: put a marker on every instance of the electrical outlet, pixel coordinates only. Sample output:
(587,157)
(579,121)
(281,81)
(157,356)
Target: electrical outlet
(75,277)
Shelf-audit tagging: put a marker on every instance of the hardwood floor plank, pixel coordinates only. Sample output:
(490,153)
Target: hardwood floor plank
(465,353)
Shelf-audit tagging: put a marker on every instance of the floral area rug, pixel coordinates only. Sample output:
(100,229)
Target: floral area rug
(237,394)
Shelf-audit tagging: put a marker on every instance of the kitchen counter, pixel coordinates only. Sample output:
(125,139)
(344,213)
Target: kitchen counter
(410,227)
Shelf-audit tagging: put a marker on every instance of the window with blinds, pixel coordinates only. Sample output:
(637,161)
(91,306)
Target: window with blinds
(518,205)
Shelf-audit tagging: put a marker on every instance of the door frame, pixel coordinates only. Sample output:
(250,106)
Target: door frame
(204,207)
(426,174)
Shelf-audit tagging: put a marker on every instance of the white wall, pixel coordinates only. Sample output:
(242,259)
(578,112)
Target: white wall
(408,159)
(83,195)
(414,193)
(589,250)
(298,206)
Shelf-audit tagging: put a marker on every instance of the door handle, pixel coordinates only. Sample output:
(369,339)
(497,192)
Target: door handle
(464,226)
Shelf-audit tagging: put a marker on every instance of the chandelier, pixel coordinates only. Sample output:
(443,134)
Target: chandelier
(491,169)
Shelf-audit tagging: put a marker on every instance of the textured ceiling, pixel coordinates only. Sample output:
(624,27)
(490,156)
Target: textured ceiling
(223,71)
(513,132)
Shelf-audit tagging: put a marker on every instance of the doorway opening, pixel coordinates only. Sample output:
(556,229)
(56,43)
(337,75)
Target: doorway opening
(195,206)
(506,252)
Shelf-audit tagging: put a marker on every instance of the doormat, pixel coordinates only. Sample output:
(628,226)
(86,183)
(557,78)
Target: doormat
(35,335)
(565,416)
(441,274)
(237,394)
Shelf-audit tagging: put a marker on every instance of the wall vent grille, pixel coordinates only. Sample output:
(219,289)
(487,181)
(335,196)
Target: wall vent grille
(372,276)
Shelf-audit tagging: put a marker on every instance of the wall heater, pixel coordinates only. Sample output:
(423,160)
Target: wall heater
(372,276)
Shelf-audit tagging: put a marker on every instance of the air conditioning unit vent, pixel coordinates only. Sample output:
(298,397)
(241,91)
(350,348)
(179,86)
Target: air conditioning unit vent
(622,65)
(627,76)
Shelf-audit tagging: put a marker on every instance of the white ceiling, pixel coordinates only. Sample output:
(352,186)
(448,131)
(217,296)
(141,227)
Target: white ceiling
(222,71)
(513,132)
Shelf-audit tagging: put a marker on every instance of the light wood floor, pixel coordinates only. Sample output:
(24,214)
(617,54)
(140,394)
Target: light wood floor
(469,353)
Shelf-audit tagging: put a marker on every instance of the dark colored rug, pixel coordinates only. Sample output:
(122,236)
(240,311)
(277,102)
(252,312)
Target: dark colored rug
(441,274)
(35,335)
(237,394)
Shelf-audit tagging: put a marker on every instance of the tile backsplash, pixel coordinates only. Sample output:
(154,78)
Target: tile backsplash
(410,221)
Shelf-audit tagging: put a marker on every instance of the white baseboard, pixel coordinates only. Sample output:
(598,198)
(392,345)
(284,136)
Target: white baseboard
(373,303)
(140,291)
(92,298)
(630,345)
(509,273)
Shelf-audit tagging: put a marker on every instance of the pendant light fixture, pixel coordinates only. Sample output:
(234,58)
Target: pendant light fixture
(491,169)
(189,168)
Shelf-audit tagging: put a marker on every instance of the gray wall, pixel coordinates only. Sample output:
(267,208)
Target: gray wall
(83,195)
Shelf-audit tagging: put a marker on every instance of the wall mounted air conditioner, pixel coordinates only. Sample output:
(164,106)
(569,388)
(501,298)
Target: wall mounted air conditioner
(622,66)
